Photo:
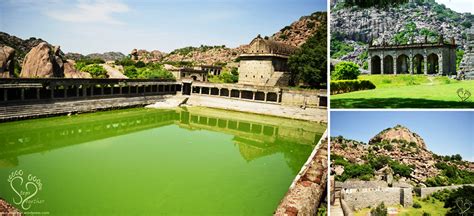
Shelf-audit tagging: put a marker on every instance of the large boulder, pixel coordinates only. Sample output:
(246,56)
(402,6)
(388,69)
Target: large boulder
(45,61)
(7,61)
(39,62)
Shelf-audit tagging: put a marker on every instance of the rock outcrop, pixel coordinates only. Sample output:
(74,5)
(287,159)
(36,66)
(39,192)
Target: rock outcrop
(147,56)
(45,61)
(21,47)
(398,133)
(406,147)
(299,31)
(357,27)
(7,61)
(467,62)
(107,56)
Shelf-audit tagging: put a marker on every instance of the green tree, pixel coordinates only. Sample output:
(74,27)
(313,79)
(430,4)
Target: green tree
(461,195)
(309,63)
(96,71)
(345,71)
(380,210)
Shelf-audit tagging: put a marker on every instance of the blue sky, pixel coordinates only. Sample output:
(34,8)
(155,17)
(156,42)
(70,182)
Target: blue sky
(444,132)
(88,26)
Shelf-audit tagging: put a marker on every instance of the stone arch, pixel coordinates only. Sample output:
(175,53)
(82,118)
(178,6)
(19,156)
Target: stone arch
(418,64)
(375,64)
(388,65)
(402,64)
(432,61)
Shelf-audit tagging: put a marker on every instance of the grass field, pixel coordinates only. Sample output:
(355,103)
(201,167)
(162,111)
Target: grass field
(407,91)
(432,206)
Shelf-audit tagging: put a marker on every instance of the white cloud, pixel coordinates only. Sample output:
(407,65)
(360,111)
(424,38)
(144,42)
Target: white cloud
(98,11)
(461,6)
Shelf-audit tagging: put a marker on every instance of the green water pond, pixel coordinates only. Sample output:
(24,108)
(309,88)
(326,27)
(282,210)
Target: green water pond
(195,161)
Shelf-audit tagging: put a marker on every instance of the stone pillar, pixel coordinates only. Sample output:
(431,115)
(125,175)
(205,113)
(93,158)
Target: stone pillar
(65,91)
(22,94)
(84,91)
(382,68)
(219,92)
(395,66)
(265,96)
(440,64)
(425,60)
(101,90)
(200,90)
(253,95)
(278,97)
(5,94)
(52,91)
(209,92)
(240,94)
(129,89)
(37,94)
(411,64)
(369,61)
(230,92)
(120,89)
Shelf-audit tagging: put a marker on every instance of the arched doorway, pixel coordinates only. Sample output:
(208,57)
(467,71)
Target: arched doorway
(388,65)
(375,65)
(194,78)
(402,64)
(418,64)
(433,64)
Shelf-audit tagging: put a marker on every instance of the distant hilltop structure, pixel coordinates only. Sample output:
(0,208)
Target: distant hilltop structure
(265,63)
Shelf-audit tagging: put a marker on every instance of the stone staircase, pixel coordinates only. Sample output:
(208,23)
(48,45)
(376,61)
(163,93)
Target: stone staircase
(336,209)
(278,79)
(21,111)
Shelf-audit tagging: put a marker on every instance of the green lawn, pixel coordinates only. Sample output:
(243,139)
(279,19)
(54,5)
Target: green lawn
(407,91)
(432,206)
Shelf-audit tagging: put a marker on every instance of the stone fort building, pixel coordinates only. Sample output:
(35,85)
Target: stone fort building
(415,58)
(265,63)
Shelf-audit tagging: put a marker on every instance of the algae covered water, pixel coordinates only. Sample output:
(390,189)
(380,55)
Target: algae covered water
(194,161)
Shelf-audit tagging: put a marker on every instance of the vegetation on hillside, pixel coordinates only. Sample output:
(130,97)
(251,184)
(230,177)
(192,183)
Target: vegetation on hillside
(91,66)
(203,48)
(366,170)
(309,63)
(450,174)
(141,70)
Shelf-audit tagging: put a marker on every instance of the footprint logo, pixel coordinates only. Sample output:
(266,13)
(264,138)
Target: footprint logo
(25,188)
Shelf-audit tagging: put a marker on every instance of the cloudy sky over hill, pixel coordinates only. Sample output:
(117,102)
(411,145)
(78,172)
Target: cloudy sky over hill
(87,26)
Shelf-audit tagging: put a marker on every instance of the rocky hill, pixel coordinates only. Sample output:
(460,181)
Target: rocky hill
(299,31)
(401,145)
(22,47)
(295,34)
(406,23)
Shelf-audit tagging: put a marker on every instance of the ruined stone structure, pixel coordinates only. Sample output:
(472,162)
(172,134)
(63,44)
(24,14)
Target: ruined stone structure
(258,93)
(369,197)
(214,70)
(424,192)
(265,63)
(190,74)
(416,58)
(467,62)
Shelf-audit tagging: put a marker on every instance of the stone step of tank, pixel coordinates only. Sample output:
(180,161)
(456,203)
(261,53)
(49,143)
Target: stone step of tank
(10,112)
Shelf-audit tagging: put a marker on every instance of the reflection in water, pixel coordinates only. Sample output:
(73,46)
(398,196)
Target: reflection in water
(254,139)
